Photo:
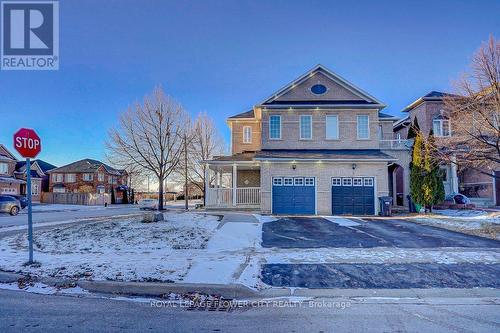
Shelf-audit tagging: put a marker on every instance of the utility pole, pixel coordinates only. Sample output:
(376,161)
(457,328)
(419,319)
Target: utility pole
(186,194)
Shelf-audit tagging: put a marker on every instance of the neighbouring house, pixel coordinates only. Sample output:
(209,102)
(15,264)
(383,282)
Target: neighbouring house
(88,176)
(39,169)
(13,175)
(319,145)
(431,113)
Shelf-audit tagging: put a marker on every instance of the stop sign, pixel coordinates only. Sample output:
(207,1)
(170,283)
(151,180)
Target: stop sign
(27,143)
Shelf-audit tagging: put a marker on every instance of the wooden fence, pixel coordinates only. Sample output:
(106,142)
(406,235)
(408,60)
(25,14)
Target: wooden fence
(89,199)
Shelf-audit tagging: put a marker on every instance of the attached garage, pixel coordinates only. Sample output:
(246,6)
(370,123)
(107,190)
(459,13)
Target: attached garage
(353,196)
(294,195)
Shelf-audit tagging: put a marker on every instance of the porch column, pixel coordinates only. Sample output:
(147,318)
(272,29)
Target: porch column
(207,183)
(235,181)
(453,176)
(218,186)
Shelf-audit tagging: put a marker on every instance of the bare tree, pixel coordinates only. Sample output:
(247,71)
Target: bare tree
(474,113)
(203,143)
(150,136)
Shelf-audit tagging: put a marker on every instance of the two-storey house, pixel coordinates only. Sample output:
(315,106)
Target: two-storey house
(13,175)
(316,146)
(87,176)
(431,113)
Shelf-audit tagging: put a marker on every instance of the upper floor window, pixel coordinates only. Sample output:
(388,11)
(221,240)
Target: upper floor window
(363,127)
(275,127)
(380,132)
(4,168)
(398,136)
(88,177)
(247,134)
(441,126)
(57,177)
(318,89)
(70,178)
(306,127)
(100,176)
(332,127)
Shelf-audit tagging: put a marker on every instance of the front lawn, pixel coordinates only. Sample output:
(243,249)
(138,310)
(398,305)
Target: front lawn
(125,250)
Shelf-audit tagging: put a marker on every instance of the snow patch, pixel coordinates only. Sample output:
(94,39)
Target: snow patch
(265,218)
(343,222)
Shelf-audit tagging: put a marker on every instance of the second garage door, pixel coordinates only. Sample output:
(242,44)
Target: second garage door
(353,196)
(294,196)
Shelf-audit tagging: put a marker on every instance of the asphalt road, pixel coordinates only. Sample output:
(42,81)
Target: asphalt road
(57,216)
(25,312)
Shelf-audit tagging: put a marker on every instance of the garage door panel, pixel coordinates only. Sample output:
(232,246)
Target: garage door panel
(353,196)
(298,197)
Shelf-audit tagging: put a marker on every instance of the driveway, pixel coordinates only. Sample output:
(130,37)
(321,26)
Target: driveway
(316,232)
(351,235)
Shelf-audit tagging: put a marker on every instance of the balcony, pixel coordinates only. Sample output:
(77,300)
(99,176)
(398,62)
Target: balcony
(396,144)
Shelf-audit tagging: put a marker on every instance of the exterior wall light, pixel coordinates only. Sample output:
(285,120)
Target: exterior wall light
(354,166)
(294,166)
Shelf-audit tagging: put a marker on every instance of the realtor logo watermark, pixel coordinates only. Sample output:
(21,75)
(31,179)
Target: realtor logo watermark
(30,35)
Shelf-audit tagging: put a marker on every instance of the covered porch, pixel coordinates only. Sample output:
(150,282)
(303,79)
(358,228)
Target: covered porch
(232,184)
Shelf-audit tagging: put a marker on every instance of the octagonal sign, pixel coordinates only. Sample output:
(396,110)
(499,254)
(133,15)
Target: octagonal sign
(27,143)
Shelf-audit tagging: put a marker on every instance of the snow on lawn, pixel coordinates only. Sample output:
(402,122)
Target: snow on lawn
(476,222)
(116,250)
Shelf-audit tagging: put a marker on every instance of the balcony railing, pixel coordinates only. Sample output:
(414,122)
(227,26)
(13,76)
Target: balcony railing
(396,144)
(230,197)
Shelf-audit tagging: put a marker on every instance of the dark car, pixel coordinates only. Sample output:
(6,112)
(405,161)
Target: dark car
(22,200)
(9,204)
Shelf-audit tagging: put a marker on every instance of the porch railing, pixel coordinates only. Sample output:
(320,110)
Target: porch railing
(248,196)
(226,197)
(396,144)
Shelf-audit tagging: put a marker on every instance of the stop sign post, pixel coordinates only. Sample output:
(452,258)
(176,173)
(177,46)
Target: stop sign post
(28,144)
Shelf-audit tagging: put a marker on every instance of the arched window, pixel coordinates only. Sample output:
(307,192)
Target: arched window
(441,126)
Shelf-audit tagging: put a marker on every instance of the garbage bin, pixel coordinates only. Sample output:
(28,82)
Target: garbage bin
(385,206)
(411,205)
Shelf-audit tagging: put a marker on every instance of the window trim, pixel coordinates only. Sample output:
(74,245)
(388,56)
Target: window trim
(288,178)
(70,175)
(311,181)
(303,116)
(336,181)
(367,124)
(360,179)
(6,168)
(441,120)
(349,179)
(270,132)
(249,128)
(337,129)
(296,180)
(370,180)
(277,181)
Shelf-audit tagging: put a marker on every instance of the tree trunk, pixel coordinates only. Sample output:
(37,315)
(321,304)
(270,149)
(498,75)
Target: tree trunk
(160,193)
(186,194)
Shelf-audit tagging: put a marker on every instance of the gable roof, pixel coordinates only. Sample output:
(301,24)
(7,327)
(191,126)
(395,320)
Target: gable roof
(44,166)
(385,116)
(4,152)
(431,96)
(86,165)
(364,96)
(246,114)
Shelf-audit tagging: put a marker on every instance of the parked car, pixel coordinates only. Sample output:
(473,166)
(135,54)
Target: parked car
(148,204)
(9,204)
(22,199)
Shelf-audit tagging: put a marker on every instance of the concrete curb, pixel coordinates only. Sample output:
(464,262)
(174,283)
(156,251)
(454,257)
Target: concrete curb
(239,291)
(155,289)
(6,277)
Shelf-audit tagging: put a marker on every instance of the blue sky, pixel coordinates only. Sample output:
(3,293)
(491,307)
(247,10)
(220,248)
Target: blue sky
(222,57)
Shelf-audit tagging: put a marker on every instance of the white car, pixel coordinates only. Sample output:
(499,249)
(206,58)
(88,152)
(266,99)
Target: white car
(148,204)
